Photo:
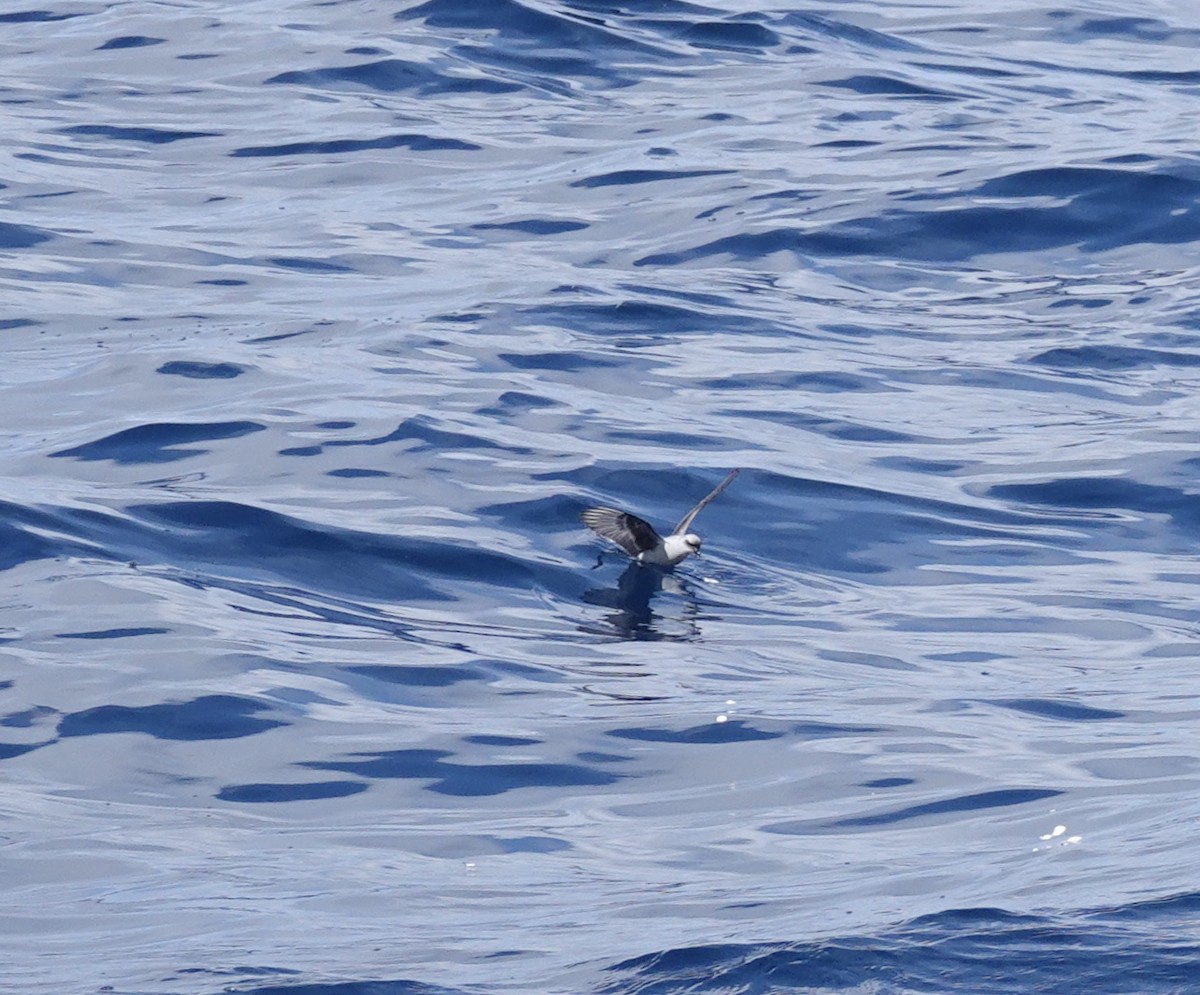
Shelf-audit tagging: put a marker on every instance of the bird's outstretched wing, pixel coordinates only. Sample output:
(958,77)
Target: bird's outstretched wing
(628,531)
(686,523)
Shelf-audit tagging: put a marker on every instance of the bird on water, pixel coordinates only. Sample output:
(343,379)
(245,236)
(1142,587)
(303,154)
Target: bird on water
(638,538)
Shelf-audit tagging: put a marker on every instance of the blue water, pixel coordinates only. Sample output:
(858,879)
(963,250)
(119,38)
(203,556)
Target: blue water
(323,321)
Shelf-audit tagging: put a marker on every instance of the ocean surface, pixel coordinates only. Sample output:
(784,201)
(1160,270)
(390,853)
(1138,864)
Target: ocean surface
(322,323)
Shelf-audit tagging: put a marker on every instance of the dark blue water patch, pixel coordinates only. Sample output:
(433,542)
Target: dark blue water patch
(37,16)
(346,473)
(23,535)
(1084,303)
(791,195)
(531,844)
(633,177)
(1012,379)
(276,337)
(245,538)
(10,751)
(1113,494)
(276,793)
(1154,913)
(1102,209)
(466,317)
(1111,358)
(157,443)
(968,804)
(396,76)
(21,236)
(597,757)
(1063,710)
(1059,182)
(974,70)
(734,731)
(830,427)
(844,143)
(112,633)
(817,381)
(878,85)
(1184,78)
(129,41)
(1106,208)
(864,659)
(431,438)
(420,429)
(677,441)
(744,248)
(240,970)
(465,780)
(415,675)
(202,371)
(533,226)
(26,718)
(341,146)
(730,35)
(17,545)
(304,264)
(143,135)
(888,782)
(1144,28)
(980,951)
(513,402)
(215,716)
(967,656)
(559,362)
(693,314)
(915,465)
(484,739)
(400,986)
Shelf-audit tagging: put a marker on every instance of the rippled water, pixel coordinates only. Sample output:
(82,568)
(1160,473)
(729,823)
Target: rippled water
(325,320)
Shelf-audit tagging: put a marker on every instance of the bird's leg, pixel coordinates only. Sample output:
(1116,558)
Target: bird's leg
(599,561)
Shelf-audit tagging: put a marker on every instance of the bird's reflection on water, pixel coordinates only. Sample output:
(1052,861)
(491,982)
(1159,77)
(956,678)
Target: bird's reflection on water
(631,616)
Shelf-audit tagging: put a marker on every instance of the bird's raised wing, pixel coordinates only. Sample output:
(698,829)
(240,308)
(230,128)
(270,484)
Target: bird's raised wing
(628,531)
(686,523)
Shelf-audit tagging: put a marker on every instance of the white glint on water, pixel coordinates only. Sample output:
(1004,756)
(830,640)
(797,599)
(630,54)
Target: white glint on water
(1058,835)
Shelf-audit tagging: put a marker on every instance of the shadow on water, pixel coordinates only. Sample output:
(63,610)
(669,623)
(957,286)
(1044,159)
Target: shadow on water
(631,616)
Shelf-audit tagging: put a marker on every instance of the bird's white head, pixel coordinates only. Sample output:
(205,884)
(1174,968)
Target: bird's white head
(674,549)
